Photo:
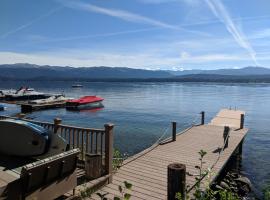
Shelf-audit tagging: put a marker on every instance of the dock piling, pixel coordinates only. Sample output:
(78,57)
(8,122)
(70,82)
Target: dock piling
(57,122)
(202,119)
(226,136)
(242,121)
(173,131)
(109,149)
(176,181)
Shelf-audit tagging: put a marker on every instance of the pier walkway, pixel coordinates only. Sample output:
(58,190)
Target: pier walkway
(147,171)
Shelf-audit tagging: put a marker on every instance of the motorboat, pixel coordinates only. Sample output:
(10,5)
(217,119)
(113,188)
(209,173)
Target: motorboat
(22,138)
(25,93)
(3,93)
(77,86)
(53,99)
(84,103)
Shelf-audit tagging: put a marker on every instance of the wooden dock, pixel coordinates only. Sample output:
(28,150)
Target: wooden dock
(147,171)
(26,107)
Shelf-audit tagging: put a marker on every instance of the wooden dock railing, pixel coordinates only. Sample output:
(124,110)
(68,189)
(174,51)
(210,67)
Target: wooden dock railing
(88,140)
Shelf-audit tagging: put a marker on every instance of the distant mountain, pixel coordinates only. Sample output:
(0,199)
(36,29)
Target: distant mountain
(36,72)
(223,78)
(233,72)
(29,71)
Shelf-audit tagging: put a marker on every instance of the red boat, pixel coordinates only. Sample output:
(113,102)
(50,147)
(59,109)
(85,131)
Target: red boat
(84,103)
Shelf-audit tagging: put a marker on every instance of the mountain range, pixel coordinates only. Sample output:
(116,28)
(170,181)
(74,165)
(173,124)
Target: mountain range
(25,71)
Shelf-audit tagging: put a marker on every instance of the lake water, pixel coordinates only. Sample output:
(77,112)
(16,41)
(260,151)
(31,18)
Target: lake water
(142,112)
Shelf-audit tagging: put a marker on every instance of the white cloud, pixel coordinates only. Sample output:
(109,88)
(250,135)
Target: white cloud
(189,2)
(45,39)
(86,58)
(125,16)
(121,14)
(184,55)
(222,14)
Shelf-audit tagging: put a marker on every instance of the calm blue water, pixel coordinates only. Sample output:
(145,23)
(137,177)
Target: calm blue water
(142,112)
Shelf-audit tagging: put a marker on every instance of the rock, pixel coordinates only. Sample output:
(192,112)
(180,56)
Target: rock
(244,181)
(244,190)
(224,185)
(234,175)
(218,187)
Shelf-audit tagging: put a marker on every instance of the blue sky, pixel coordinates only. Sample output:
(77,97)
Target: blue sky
(150,34)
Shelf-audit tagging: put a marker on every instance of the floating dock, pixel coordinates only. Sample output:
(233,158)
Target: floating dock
(147,171)
(35,107)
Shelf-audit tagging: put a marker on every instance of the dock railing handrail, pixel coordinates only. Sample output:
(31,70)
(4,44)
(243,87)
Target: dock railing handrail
(88,140)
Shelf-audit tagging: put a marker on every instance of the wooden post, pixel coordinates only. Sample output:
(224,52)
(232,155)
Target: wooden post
(176,181)
(93,166)
(242,121)
(173,131)
(109,149)
(57,122)
(202,119)
(226,136)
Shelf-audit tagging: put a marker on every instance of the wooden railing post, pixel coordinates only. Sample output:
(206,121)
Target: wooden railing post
(226,136)
(176,181)
(109,149)
(242,121)
(57,122)
(202,119)
(173,131)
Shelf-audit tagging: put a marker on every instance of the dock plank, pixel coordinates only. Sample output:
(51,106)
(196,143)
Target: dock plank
(147,171)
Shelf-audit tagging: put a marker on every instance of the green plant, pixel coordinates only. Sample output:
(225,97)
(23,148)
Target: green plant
(86,193)
(266,193)
(198,194)
(178,196)
(124,191)
(208,193)
(118,159)
(227,195)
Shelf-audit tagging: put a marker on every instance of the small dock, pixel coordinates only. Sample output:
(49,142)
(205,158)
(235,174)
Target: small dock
(25,107)
(147,171)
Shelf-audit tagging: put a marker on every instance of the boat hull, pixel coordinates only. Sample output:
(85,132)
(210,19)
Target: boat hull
(19,138)
(26,97)
(87,106)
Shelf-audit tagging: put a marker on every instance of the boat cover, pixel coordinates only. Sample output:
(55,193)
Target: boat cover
(38,129)
(86,99)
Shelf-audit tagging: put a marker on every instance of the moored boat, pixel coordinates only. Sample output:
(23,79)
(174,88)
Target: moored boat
(3,93)
(53,99)
(25,93)
(77,86)
(84,103)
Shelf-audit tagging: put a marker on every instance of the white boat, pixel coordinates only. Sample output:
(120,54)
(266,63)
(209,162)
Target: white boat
(26,94)
(21,138)
(3,93)
(52,99)
(77,86)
